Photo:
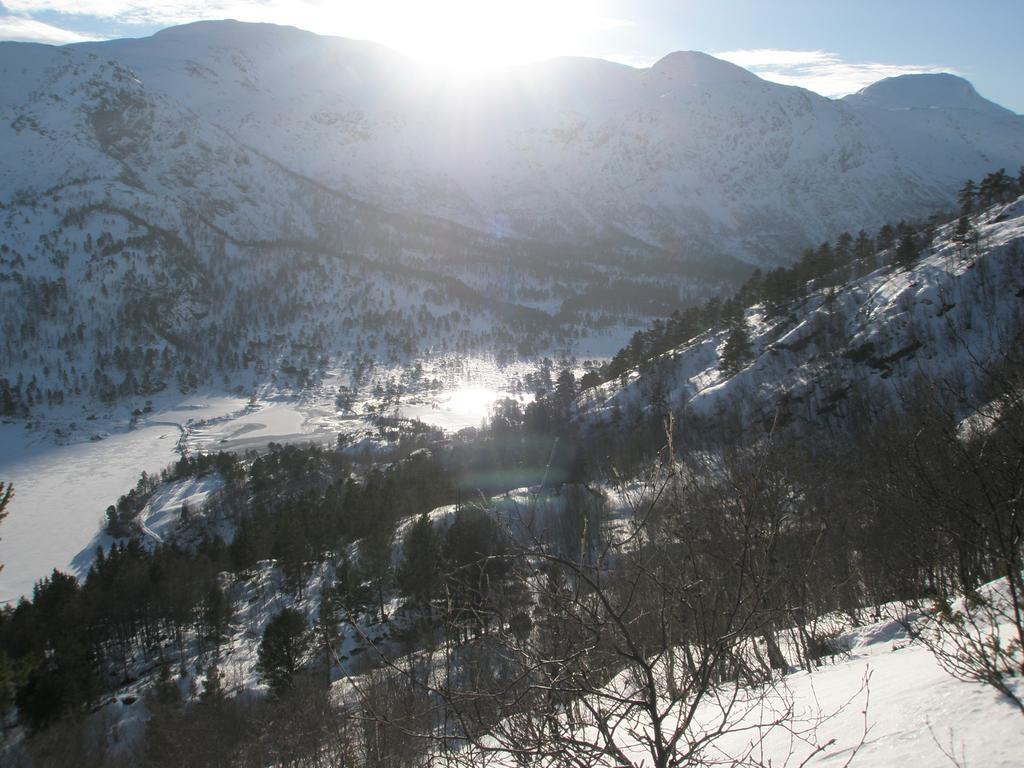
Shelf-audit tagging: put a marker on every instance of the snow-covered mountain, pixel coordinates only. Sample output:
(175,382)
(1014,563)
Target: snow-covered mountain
(692,155)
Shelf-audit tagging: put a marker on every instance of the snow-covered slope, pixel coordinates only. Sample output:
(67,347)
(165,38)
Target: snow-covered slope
(848,350)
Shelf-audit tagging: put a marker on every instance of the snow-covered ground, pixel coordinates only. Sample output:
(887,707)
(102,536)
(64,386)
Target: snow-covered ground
(875,332)
(161,516)
(885,704)
(912,709)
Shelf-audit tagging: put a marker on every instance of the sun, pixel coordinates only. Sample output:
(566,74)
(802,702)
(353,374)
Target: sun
(466,36)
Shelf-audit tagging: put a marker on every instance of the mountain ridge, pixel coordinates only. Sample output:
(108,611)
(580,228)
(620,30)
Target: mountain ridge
(561,152)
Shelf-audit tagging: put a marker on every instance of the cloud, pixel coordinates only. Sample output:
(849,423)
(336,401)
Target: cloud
(821,71)
(27,30)
(155,12)
(163,12)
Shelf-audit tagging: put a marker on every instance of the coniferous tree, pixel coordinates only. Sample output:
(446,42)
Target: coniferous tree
(419,574)
(864,250)
(213,684)
(375,562)
(328,623)
(736,352)
(283,650)
(907,249)
(886,237)
(351,595)
(6,494)
(965,233)
(565,393)
(966,197)
(996,187)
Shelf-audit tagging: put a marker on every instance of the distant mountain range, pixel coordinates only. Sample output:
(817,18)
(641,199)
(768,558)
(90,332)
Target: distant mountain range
(694,156)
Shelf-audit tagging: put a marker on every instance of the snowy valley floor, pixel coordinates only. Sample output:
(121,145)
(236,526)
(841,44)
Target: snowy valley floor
(79,459)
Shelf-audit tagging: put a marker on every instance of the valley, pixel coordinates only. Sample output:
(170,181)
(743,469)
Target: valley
(70,464)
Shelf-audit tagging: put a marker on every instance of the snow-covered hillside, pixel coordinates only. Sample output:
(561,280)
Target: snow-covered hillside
(851,349)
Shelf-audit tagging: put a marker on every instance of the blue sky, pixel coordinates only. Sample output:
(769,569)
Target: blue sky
(829,46)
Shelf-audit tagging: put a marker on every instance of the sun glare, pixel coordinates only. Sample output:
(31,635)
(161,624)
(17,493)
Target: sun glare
(467,36)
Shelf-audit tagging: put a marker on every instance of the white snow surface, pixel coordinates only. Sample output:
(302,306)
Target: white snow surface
(61,492)
(161,516)
(885,703)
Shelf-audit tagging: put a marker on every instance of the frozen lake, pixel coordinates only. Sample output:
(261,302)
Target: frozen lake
(61,492)
(62,487)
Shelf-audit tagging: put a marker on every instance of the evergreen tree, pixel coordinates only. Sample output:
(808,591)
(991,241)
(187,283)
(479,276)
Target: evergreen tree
(283,650)
(565,393)
(6,494)
(996,187)
(736,352)
(165,690)
(967,196)
(965,233)
(419,574)
(349,591)
(375,561)
(843,254)
(908,249)
(216,612)
(213,684)
(886,237)
(328,623)
(864,249)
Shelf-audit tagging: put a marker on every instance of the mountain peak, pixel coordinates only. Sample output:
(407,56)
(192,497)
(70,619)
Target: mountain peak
(701,68)
(925,91)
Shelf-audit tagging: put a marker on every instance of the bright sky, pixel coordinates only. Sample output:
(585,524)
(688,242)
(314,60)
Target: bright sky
(834,47)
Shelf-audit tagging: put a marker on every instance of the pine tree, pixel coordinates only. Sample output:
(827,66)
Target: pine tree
(843,254)
(965,233)
(6,494)
(966,197)
(216,613)
(886,237)
(213,684)
(736,352)
(283,650)
(996,187)
(419,574)
(328,623)
(864,249)
(907,249)
(375,561)
(565,392)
